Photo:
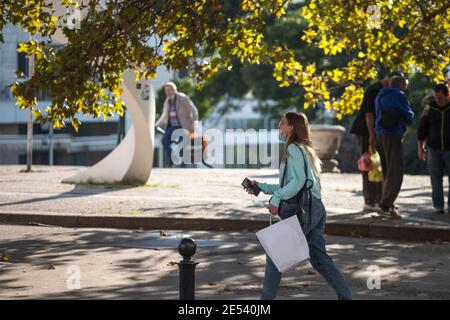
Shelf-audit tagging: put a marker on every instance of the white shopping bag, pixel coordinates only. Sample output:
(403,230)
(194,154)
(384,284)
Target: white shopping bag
(285,243)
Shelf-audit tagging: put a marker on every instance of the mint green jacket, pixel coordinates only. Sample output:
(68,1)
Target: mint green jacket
(295,177)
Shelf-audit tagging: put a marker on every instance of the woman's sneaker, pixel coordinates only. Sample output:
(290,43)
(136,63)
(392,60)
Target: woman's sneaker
(439,210)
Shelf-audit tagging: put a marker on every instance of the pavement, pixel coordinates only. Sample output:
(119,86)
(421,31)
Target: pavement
(59,263)
(120,241)
(204,199)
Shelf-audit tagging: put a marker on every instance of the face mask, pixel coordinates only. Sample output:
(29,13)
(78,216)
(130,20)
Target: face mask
(281,137)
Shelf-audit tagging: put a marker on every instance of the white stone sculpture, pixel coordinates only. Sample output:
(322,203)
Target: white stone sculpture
(131,161)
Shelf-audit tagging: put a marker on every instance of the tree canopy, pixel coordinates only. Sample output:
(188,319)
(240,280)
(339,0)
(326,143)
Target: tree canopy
(406,35)
(257,79)
(204,36)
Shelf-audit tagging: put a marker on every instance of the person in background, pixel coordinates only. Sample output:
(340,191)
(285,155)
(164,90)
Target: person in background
(429,98)
(178,112)
(364,128)
(434,143)
(392,113)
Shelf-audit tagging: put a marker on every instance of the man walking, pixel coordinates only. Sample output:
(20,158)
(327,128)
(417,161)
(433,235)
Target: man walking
(392,113)
(434,132)
(178,112)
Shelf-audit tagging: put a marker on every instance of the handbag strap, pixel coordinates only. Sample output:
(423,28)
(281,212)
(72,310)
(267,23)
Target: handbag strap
(306,171)
(305,185)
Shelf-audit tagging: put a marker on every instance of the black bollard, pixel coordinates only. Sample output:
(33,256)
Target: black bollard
(187,248)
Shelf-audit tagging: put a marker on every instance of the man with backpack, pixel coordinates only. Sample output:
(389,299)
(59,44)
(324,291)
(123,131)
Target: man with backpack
(364,128)
(392,113)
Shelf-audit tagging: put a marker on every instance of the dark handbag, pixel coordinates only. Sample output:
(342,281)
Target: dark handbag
(296,204)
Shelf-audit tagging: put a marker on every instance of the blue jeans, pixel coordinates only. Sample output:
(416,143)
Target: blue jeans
(167,144)
(438,161)
(313,226)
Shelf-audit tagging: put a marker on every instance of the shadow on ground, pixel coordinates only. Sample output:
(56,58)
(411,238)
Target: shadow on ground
(79,191)
(409,270)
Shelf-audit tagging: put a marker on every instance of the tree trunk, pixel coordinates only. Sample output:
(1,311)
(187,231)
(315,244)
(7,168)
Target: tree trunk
(30,122)
(50,144)
(30,140)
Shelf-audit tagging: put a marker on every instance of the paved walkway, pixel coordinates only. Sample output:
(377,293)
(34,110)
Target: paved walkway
(124,264)
(41,261)
(198,194)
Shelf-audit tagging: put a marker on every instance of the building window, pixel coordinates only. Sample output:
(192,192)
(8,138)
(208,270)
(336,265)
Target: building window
(23,63)
(5,92)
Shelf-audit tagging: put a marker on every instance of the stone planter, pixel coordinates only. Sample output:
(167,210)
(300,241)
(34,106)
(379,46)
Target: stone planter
(327,140)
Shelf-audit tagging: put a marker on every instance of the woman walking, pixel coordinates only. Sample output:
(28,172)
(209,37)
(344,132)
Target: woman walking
(294,129)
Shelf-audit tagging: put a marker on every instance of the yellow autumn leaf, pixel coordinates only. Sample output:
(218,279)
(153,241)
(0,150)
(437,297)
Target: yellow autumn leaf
(311,68)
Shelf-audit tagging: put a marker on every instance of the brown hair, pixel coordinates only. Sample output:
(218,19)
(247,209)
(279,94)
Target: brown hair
(301,135)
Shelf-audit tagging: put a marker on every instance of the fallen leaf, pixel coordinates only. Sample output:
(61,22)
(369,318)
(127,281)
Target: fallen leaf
(162,233)
(51,267)
(392,285)
(5,258)
(306,285)
(311,273)
(172,263)
(228,288)
(213,283)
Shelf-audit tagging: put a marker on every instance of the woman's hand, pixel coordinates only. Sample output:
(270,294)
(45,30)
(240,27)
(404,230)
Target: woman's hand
(272,209)
(249,190)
